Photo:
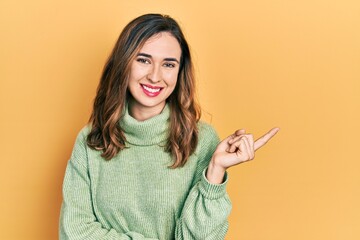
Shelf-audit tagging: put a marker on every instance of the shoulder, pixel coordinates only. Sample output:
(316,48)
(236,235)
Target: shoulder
(80,147)
(208,137)
(84,132)
(206,130)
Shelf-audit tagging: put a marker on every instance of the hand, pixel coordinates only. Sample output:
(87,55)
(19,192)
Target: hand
(235,149)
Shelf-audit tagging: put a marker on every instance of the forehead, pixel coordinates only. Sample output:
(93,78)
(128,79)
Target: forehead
(162,45)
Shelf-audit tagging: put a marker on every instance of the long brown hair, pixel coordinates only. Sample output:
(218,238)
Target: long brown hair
(106,134)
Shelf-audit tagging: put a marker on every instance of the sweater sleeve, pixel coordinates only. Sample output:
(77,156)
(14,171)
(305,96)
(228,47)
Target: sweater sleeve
(206,209)
(77,218)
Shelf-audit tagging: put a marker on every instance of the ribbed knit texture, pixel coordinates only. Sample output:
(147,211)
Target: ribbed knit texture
(136,196)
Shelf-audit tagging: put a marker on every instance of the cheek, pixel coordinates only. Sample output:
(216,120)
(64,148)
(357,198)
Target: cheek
(136,73)
(172,78)
(172,85)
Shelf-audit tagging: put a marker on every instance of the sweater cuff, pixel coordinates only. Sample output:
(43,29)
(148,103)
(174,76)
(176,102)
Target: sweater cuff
(212,191)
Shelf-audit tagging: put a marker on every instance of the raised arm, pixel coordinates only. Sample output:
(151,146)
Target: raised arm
(207,207)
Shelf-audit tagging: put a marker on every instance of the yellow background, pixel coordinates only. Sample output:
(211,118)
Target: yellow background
(261,63)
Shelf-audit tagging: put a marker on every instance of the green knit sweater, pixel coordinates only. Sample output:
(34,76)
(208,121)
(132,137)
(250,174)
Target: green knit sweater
(136,196)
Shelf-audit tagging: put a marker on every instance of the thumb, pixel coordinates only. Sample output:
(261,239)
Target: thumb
(224,144)
(239,132)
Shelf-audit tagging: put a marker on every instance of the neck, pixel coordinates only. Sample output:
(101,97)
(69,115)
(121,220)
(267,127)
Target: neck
(145,133)
(142,113)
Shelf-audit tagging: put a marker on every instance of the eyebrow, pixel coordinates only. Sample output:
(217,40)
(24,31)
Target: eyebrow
(166,59)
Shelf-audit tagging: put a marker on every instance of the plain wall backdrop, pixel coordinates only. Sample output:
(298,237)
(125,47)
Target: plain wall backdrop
(259,64)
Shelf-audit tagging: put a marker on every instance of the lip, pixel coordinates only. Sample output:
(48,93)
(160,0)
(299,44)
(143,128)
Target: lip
(148,93)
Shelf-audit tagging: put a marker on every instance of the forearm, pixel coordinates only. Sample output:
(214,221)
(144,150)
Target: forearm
(205,212)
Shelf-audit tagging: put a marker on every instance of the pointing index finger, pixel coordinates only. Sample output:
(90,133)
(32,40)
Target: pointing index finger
(264,139)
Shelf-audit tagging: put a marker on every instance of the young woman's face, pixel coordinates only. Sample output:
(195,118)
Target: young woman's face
(154,72)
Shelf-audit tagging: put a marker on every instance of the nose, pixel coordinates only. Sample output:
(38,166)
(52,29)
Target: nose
(154,74)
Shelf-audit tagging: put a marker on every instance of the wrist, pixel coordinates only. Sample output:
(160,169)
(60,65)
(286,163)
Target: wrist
(215,173)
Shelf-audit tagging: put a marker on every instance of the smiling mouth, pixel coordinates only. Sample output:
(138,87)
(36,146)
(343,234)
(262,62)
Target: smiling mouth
(150,90)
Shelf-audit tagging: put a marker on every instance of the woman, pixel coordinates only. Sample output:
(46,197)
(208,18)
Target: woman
(145,167)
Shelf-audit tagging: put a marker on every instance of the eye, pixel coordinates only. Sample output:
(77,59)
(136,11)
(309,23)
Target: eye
(169,65)
(143,60)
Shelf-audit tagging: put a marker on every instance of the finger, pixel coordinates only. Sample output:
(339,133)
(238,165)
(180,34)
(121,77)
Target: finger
(249,154)
(264,139)
(236,138)
(242,152)
(250,139)
(238,133)
(236,144)
(224,145)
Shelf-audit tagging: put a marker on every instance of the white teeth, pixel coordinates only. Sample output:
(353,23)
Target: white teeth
(151,89)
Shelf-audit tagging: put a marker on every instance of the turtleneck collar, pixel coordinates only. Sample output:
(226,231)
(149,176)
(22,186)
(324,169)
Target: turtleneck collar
(149,132)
